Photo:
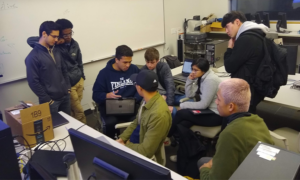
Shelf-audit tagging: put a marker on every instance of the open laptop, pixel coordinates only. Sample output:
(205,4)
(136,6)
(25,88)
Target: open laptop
(186,71)
(58,120)
(120,106)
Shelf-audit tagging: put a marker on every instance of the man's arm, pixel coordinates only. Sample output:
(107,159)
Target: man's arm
(65,72)
(190,87)
(125,136)
(79,61)
(156,130)
(33,79)
(235,57)
(225,161)
(169,83)
(100,90)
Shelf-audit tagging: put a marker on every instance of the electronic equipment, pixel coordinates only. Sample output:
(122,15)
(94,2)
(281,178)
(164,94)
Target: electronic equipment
(215,51)
(248,16)
(87,149)
(281,23)
(257,18)
(195,37)
(266,19)
(186,71)
(120,106)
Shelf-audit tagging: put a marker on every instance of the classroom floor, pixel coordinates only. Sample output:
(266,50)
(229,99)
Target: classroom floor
(92,122)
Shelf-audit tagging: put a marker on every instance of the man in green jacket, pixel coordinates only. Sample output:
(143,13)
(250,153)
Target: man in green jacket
(148,131)
(242,133)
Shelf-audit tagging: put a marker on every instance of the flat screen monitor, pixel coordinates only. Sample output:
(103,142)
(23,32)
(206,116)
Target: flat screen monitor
(281,23)
(87,149)
(266,19)
(248,16)
(257,18)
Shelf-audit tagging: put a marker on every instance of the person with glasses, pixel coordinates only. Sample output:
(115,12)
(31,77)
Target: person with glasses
(71,54)
(202,84)
(47,74)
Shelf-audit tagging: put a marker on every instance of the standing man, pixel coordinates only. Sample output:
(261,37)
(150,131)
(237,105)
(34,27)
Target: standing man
(245,51)
(148,131)
(47,75)
(71,56)
(114,82)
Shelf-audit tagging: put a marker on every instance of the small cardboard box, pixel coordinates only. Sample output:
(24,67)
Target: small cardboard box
(33,123)
(205,29)
(217,26)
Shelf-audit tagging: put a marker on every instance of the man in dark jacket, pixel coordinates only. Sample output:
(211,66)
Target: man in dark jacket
(47,75)
(114,82)
(166,86)
(245,51)
(71,55)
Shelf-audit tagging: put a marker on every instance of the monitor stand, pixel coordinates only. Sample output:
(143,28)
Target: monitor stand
(278,28)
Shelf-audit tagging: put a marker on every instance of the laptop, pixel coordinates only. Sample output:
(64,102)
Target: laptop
(58,120)
(120,106)
(186,71)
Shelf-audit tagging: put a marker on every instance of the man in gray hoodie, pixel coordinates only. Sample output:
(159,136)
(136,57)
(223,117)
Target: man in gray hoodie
(245,51)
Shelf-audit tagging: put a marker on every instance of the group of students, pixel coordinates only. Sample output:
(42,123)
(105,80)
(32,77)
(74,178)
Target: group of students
(53,73)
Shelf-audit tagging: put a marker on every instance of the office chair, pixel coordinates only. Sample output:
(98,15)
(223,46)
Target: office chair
(290,135)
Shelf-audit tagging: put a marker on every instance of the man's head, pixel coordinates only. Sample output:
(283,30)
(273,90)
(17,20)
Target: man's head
(232,22)
(233,96)
(146,82)
(49,32)
(123,57)
(152,58)
(66,29)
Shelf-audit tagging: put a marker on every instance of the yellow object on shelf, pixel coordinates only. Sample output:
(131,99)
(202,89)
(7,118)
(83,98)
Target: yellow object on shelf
(217,26)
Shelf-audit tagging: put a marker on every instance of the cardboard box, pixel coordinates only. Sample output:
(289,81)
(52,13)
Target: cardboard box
(33,123)
(205,29)
(217,26)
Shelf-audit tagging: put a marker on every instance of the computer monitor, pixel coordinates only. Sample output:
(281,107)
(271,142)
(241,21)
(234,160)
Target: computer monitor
(87,149)
(257,18)
(266,19)
(281,23)
(248,16)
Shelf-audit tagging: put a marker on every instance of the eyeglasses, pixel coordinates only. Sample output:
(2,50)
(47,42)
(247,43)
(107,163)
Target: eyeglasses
(55,37)
(67,35)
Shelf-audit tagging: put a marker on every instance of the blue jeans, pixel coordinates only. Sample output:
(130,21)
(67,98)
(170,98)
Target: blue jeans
(177,98)
(62,104)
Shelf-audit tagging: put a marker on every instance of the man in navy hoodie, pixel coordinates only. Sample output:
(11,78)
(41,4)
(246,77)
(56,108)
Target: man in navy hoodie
(47,74)
(114,82)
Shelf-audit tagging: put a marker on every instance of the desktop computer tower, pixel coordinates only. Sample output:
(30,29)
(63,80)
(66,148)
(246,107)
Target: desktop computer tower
(9,167)
(215,51)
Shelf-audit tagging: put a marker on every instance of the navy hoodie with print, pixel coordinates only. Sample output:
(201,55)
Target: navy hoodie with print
(110,80)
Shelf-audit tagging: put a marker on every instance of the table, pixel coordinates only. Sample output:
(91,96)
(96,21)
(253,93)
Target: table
(62,132)
(291,34)
(286,95)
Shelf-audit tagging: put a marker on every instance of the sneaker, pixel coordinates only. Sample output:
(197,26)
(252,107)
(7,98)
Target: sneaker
(167,142)
(173,158)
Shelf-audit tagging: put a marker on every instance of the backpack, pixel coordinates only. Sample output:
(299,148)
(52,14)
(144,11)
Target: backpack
(172,61)
(273,70)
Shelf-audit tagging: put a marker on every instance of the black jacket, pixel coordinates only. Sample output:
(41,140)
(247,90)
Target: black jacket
(165,78)
(49,80)
(244,59)
(71,56)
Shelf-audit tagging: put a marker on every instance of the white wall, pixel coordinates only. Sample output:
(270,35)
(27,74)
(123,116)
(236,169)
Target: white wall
(175,12)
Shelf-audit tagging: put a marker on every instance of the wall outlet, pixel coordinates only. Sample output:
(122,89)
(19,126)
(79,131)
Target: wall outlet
(173,30)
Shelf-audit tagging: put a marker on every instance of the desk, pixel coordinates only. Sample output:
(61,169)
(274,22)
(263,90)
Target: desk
(62,132)
(291,34)
(286,95)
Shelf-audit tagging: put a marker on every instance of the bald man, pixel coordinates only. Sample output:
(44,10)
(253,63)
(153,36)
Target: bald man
(240,136)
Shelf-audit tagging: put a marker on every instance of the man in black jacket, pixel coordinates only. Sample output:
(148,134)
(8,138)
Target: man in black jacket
(47,75)
(71,55)
(166,86)
(245,51)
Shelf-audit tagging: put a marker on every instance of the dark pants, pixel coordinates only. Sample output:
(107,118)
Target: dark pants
(62,104)
(187,119)
(109,123)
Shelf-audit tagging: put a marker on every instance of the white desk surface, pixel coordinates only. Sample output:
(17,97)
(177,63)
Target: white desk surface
(291,34)
(62,132)
(285,96)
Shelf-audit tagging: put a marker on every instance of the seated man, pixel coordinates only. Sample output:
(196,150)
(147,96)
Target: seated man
(113,82)
(147,132)
(240,136)
(166,85)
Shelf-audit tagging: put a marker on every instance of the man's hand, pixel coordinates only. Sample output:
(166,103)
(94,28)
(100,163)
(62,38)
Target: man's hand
(231,43)
(60,41)
(171,108)
(120,141)
(113,95)
(163,96)
(192,76)
(208,165)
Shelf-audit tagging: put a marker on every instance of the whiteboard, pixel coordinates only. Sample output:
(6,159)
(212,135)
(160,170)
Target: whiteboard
(99,27)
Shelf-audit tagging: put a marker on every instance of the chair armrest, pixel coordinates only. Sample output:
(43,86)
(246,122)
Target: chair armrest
(276,136)
(184,99)
(122,125)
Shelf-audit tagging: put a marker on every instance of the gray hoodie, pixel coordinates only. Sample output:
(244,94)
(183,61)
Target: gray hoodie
(209,88)
(251,25)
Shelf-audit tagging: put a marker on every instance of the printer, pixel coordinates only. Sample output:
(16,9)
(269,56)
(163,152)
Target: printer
(195,37)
